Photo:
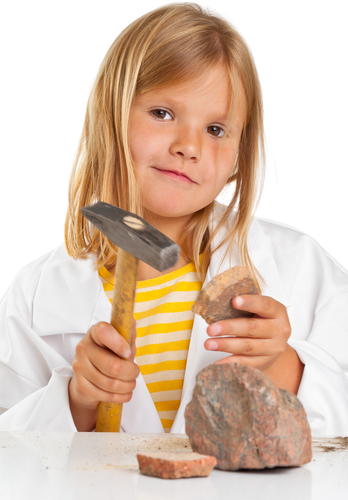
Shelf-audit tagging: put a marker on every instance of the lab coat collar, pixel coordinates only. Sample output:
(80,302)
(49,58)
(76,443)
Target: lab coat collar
(69,296)
(262,256)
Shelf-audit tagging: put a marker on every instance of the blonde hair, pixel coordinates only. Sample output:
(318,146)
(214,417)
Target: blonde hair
(171,44)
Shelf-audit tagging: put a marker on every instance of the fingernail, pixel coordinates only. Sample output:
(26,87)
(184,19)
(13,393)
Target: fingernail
(238,301)
(212,345)
(215,330)
(127,353)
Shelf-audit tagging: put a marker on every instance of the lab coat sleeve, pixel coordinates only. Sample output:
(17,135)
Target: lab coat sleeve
(34,377)
(324,386)
(319,319)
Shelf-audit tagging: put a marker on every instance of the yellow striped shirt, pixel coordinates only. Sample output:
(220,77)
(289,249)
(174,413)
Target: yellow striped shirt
(163,312)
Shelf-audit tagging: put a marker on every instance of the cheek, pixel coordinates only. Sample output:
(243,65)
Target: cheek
(224,163)
(138,141)
(145,147)
(139,138)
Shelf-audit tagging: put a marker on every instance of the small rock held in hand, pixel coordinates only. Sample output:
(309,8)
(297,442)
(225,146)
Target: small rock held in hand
(238,415)
(214,300)
(175,465)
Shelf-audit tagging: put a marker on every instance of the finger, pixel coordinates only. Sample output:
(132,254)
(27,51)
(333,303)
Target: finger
(244,346)
(105,361)
(263,306)
(108,384)
(105,335)
(90,395)
(115,367)
(242,327)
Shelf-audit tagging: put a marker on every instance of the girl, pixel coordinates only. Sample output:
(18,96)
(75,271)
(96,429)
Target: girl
(175,114)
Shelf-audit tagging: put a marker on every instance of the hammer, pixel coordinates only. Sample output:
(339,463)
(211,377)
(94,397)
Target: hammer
(136,239)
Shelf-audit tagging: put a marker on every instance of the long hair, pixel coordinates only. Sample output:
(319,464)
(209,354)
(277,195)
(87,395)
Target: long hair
(172,44)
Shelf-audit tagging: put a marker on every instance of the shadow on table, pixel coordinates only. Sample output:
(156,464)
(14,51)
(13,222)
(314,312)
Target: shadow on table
(267,484)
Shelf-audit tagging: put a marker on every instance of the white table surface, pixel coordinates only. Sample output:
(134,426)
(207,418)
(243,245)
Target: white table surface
(73,466)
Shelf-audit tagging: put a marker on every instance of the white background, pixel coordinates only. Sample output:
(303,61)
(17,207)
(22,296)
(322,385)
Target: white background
(50,54)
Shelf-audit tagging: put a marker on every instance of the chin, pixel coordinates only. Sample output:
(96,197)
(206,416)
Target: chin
(165,205)
(168,212)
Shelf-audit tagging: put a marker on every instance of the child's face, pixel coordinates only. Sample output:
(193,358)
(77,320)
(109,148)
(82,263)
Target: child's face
(175,136)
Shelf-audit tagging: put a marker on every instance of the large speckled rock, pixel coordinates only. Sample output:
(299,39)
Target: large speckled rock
(214,300)
(175,465)
(239,416)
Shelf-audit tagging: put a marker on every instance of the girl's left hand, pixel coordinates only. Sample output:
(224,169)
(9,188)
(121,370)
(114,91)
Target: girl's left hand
(256,342)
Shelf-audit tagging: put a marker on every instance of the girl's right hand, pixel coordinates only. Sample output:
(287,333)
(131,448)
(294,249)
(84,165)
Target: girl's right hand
(104,370)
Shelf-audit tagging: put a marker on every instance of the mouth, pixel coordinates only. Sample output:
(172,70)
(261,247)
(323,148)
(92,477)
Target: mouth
(175,174)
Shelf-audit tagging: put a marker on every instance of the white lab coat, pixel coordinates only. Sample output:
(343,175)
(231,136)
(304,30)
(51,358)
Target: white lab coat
(54,300)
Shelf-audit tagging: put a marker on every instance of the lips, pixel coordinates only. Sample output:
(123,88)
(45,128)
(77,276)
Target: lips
(175,174)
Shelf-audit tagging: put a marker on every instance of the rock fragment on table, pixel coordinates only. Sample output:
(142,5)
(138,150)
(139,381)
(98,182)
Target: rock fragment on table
(238,415)
(175,465)
(214,300)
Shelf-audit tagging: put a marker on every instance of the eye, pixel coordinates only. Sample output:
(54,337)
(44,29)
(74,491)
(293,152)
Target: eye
(161,114)
(215,131)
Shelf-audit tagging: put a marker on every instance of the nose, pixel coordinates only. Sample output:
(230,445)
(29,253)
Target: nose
(187,145)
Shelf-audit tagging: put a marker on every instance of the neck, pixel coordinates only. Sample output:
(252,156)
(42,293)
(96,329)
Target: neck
(146,272)
(174,229)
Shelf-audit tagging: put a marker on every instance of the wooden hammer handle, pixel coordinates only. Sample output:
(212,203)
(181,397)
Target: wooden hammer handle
(109,414)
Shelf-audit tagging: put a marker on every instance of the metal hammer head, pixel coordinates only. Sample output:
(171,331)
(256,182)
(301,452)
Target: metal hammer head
(133,234)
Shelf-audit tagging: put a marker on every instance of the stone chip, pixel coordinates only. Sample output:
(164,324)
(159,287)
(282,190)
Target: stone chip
(169,465)
(214,300)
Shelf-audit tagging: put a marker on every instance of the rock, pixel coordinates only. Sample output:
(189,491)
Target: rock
(214,300)
(175,465)
(239,416)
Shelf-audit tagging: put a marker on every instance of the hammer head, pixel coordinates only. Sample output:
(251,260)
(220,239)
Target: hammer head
(133,234)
